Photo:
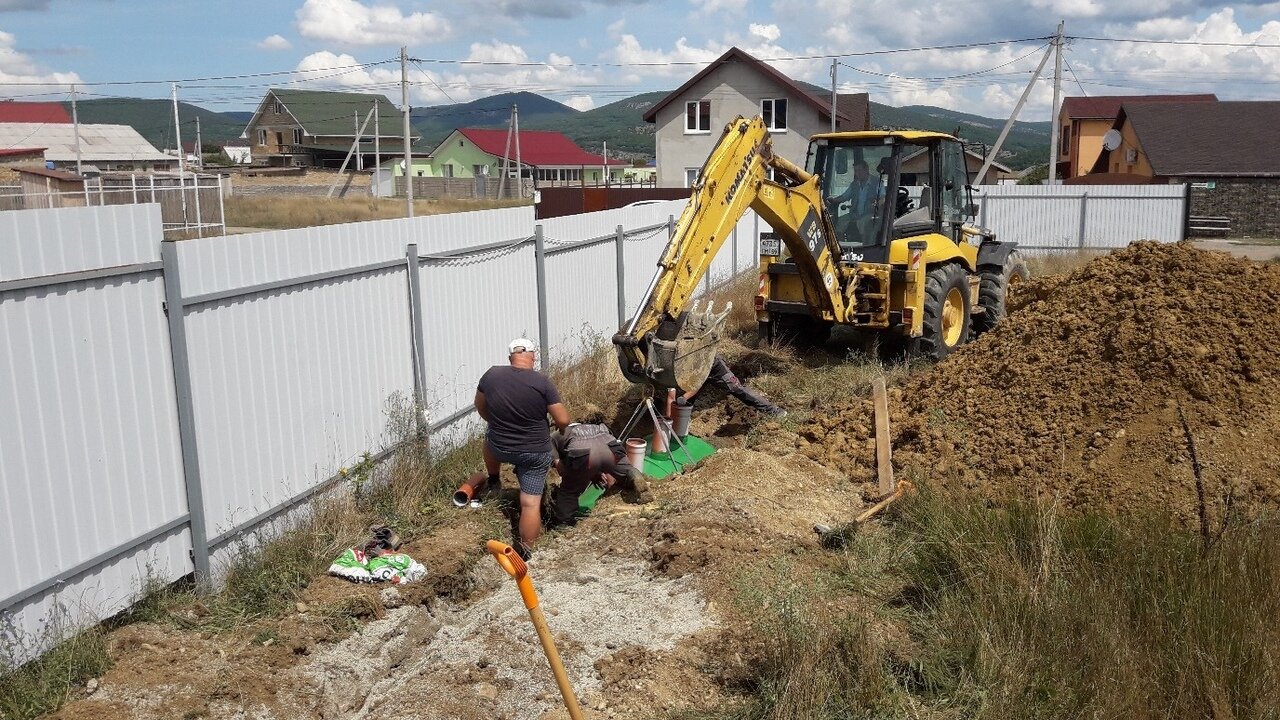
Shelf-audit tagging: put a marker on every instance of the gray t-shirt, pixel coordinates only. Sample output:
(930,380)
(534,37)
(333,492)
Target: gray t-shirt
(517,401)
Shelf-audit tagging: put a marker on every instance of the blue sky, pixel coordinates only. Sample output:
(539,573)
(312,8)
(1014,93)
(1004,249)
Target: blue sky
(589,53)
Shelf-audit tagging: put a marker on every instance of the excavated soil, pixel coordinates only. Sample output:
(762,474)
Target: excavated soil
(1078,395)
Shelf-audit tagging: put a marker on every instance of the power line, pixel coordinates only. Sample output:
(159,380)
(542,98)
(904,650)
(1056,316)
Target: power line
(274,73)
(1198,43)
(946,77)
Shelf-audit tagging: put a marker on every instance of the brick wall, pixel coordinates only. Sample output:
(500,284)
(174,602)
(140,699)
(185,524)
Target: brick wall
(1253,204)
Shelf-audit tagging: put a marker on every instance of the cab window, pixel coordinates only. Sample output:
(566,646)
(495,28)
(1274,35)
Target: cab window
(955,179)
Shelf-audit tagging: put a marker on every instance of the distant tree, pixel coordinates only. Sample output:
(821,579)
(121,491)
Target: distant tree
(1035,176)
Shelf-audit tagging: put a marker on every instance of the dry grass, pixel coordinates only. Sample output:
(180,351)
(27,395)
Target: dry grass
(281,213)
(40,686)
(1060,264)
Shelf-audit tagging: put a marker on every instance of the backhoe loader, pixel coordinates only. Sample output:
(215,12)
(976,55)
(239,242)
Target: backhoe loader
(850,246)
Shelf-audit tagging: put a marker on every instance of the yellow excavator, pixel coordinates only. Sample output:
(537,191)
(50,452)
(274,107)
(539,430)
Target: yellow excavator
(851,245)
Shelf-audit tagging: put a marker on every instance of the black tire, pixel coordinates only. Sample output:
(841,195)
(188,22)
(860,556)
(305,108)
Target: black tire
(993,294)
(795,330)
(941,338)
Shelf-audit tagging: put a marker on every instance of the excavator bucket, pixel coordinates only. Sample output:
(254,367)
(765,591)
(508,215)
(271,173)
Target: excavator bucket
(685,362)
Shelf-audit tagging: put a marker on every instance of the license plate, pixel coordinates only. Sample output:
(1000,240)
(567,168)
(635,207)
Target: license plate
(770,245)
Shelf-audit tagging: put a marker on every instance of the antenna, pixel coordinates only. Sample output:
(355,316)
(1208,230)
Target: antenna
(1111,140)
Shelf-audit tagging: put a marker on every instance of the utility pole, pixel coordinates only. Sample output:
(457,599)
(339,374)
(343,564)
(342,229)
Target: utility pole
(506,154)
(1057,90)
(833,94)
(377,153)
(1008,125)
(359,156)
(199,147)
(605,167)
(177,134)
(408,149)
(75,120)
(515,121)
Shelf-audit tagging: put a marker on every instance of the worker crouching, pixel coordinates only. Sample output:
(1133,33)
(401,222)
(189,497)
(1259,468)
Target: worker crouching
(586,453)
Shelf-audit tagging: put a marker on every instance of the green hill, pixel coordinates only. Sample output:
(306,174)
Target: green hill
(620,123)
(436,122)
(153,119)
(1027,144)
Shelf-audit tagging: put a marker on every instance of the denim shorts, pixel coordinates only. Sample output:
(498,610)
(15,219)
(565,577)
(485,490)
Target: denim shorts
(531,467)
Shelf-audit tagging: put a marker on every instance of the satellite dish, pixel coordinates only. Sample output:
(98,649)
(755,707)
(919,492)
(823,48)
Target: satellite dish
(1111,140)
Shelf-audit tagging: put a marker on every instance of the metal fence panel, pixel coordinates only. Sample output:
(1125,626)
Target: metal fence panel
(439,233)
(582,311)
(89,436)
(291,383)
(63,240)
(1068,218)
(473,306)
(598,224)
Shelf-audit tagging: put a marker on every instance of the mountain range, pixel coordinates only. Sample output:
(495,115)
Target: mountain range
(620,124)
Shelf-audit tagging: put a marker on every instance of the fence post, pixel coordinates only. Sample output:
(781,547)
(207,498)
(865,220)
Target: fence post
(419,337)
(1084,204)
(195,184)
(222,207)
(153,194)
(982,211)
(133,185)
(540,263)
(186,410)
(620,262)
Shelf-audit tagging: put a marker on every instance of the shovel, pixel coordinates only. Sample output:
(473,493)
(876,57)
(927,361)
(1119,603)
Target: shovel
(515,567)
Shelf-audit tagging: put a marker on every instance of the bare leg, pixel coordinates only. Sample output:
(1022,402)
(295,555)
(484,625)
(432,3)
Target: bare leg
(530,519)
(491,464)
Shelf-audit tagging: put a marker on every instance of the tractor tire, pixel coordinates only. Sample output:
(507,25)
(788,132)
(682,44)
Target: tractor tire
(946,312)
(800,331)
(993,294)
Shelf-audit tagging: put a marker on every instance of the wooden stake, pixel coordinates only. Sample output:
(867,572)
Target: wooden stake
(884,453)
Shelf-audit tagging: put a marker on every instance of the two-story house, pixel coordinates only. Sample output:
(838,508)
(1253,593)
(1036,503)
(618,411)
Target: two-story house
(316,128)
(1083,121)
(689,120)
(1218,149)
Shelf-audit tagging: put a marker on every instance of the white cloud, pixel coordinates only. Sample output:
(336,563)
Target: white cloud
(274,42)
(768,33)
(708,7)
(348,22)
(16,67)
(580,102)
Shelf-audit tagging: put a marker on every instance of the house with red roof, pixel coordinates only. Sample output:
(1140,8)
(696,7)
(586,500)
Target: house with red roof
(1083,121)
(549,158)
(12,111)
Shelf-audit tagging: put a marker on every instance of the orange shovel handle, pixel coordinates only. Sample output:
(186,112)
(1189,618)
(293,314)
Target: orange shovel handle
(510,561)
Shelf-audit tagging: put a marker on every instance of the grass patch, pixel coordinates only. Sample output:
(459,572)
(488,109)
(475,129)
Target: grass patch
(42,685)
(282,213)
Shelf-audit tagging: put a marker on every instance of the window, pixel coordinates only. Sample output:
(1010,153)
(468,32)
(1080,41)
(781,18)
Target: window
(697,116)
(447,169)
(480,170)
(1064,141)
(560,174)
(262,137)
(774,112)
(297,136)
(279,108)
(691,176)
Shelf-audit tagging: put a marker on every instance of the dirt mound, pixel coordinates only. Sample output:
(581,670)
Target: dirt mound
(1078,394)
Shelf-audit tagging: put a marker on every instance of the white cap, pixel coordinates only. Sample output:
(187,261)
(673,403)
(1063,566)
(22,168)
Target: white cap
(521,345)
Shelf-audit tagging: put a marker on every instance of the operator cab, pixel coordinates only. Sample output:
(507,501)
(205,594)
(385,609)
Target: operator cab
(880,186)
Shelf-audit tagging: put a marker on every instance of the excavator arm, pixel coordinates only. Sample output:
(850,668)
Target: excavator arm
(670,344)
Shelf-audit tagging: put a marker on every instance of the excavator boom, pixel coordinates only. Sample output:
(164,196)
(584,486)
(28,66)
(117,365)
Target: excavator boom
(671,344)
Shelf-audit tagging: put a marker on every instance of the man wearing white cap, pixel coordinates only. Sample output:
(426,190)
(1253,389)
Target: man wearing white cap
(515,400)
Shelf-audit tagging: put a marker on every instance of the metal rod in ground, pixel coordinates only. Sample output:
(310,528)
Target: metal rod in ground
(884,451)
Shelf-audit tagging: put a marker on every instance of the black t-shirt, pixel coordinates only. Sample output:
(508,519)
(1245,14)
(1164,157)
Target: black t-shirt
(517,401)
